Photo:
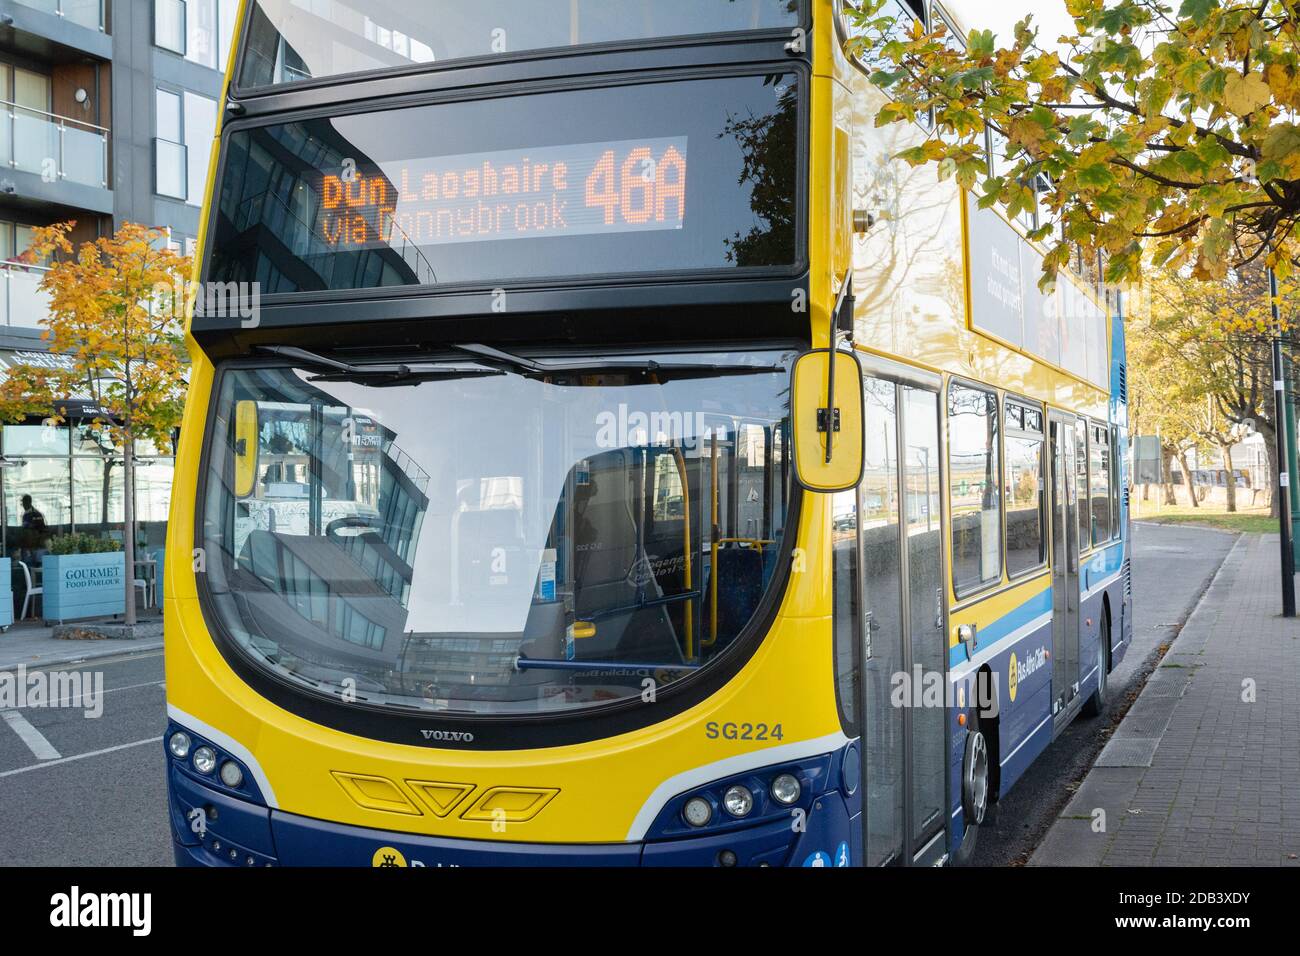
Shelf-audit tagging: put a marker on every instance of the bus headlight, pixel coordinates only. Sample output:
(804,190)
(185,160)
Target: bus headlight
(697,812)
(179,745)
(738,800)
(205,761)
(231,775)
(786,789)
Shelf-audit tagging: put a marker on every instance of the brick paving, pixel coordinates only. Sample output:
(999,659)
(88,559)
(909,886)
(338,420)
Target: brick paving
(1222,787)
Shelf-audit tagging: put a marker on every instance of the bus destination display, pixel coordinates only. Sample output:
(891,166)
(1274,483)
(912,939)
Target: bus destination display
(587,189)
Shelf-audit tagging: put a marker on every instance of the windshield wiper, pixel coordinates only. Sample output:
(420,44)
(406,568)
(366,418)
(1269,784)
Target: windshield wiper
(332,370)
(527,366)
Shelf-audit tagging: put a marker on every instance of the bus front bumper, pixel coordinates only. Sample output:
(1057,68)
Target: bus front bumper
(233,832)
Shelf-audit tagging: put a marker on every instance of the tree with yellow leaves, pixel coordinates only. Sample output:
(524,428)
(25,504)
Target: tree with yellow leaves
(1201,359)
(1154,132)
(116,309)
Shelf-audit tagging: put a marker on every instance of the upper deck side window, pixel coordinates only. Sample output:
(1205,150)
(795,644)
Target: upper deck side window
(289,41)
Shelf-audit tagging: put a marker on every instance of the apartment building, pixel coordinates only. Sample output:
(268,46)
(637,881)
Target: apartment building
(107,111)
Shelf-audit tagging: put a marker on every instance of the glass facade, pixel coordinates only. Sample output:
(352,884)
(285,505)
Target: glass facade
(59,479)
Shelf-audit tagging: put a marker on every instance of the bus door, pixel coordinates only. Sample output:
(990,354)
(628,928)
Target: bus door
(902,624)
(1065,564)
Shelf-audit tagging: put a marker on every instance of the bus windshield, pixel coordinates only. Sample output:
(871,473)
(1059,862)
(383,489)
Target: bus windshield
(292,40)
(668,177)
(483,537)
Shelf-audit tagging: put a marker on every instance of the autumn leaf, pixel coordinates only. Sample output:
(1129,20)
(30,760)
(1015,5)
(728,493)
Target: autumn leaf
(1246,94)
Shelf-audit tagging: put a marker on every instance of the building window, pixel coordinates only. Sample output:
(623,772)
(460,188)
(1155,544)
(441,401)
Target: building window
(202,31)
(228,11)
(169,25)
(975,501)
(186,123)
(171,176)
(199,128)
(1025,489)
(1099,476)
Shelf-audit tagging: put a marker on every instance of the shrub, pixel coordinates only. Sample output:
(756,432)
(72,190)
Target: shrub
(82,543)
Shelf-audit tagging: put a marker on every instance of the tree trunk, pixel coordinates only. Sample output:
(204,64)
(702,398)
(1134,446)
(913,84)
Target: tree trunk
(1232,478)
(128,537)
(107,492)
(1169,478)
(1270,443)
(1187,477)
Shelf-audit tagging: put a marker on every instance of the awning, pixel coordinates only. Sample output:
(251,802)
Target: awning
(82,409)
(73,408)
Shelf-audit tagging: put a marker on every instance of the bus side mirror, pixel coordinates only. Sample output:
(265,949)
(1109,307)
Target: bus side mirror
(828,410)
(245,448)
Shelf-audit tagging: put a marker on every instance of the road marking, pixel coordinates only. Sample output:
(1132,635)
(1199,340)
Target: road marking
(125,657)
(40,747)
(93,753)
(108,690)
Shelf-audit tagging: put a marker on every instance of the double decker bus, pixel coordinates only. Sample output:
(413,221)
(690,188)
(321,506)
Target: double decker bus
(628,462)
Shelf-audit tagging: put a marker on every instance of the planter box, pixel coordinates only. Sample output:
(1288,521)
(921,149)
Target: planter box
(83,585)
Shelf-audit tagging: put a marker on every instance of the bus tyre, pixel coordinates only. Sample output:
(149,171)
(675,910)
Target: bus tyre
(975,777)
(974,793)
(1096,702)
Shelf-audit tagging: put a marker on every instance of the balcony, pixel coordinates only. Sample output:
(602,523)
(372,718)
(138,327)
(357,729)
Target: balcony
(22,303)
(53,147)
(86,13)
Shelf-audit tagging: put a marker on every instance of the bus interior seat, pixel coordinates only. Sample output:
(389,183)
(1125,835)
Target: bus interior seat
(740,576)
(770,554)
(610,563)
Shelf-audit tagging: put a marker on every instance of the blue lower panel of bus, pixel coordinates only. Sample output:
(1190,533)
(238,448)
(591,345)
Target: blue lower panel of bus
(237,832)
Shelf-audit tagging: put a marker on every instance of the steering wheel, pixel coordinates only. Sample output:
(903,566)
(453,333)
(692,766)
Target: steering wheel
(349,521)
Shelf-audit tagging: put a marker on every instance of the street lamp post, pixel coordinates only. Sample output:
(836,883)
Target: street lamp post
(1283,490)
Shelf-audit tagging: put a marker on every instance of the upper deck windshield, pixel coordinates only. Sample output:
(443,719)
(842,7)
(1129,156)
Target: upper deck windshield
(294,40)
(474,536)
(666,177)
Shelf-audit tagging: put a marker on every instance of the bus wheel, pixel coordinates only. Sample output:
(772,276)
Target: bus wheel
(974,792)
(975,777)
(1096,702)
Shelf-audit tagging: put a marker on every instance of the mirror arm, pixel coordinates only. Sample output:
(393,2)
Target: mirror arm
(828,418)
(842,317)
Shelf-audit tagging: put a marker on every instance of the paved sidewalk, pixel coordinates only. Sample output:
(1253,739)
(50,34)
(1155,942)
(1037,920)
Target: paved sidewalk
(1204,770)
(34,645)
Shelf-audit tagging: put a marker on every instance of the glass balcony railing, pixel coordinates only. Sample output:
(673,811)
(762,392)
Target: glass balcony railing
(86,13)
(53,147)
(22,303)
